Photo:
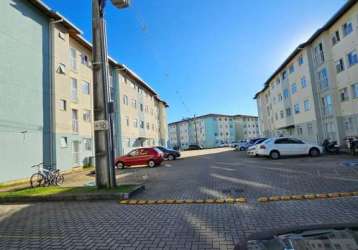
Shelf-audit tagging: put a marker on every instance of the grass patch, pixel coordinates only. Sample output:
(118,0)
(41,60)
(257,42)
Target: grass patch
(56,191)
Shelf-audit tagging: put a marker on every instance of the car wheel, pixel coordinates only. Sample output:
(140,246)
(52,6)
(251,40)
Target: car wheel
(242,149)
(151,164)
(120,165)
(274,155)
(314,152)
(171,157)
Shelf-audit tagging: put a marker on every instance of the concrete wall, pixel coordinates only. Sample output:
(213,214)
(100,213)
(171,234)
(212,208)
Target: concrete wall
(23,84)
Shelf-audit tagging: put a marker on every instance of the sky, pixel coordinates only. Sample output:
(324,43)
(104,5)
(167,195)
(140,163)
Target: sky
(204,56)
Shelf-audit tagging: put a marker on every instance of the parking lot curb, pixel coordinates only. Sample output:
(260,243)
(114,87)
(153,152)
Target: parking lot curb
(183,202)
(303,197)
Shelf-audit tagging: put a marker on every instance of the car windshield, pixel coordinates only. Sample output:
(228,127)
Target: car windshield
(177,124)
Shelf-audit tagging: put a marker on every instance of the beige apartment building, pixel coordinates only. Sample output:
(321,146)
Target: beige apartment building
(314,93)
(139,113)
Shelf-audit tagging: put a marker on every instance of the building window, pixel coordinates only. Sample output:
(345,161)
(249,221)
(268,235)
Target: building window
(141,107)
(63,105)
(335,38)
(281,114)
(87,115)
(87,142)
(347,28)
(74,120)
(134,103)
(343,93)
(280,97)
(339,65)
(132,85)
(291,68)
(86,88)
(300,60)
(278,81)
(148,126)
(284,75)
(125,100)
(352,58)
(135,123)
(61,69)
(141,124)
(303,82)
(318,54)
(294,88)
(348,123)
(355,90)
(285,93)
(127,121)
(327,104)
(84,59)
(73,57)
(63,142)
(323,78)
(306,105)
(215,134)
(74,95)
(276,116)
(297,108)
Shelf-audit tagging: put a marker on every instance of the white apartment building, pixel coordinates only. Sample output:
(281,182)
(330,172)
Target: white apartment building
(313,94)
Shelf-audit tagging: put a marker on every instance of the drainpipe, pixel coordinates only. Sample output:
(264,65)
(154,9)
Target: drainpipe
(52,103)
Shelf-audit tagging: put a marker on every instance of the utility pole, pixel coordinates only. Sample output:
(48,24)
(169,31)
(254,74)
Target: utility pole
(105,173)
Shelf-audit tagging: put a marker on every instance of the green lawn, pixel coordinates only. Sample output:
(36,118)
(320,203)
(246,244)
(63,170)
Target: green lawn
(55,190)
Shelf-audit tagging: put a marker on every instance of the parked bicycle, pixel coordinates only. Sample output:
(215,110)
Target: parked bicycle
(46,176)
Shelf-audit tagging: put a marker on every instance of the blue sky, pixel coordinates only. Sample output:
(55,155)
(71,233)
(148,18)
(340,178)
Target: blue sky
(204,56)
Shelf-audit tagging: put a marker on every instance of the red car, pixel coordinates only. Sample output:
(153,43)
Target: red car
(141,156)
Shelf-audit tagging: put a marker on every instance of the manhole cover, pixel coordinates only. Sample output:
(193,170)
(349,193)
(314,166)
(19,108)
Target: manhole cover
(353,163)
(232,191)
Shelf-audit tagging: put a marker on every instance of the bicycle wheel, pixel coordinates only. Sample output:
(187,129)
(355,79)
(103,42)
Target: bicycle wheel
(60,179)
(37,180)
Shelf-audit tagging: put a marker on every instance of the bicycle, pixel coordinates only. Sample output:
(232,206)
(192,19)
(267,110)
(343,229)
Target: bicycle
(46,176)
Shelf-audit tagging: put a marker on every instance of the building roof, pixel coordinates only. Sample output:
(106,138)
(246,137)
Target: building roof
(76,33)
(213,115)
(347,6)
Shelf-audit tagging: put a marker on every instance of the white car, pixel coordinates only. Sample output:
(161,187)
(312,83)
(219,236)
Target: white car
(285,146)
(252,150)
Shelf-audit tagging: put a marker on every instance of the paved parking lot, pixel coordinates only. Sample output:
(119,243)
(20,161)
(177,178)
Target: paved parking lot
(214,175)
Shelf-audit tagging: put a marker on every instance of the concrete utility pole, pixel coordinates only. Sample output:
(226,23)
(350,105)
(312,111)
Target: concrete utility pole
(196,131)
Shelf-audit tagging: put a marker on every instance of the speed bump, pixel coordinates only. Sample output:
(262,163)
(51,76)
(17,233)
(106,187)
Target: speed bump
(240,200)
(179,201)
(188,201)
(132,202)
(124,202)
(320,196)
(209,201)
(309,196)
(229,200)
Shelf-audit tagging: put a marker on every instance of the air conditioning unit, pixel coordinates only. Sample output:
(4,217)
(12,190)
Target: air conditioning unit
(121,3)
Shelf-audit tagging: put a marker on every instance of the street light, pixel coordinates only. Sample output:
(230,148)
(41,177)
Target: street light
(103,111)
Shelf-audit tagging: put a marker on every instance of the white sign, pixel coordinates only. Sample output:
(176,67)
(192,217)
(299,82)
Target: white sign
(101,125)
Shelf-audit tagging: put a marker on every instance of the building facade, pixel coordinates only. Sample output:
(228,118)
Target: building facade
(46,112)
(313,94)
(212,130)
(24,74)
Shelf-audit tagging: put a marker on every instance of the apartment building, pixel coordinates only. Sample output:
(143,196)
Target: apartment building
(211,130)
(140,114)
(24,75)
(313,94)
(47,102)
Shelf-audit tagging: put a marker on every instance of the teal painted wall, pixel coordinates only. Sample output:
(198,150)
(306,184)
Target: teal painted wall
(210,130)
(23,86)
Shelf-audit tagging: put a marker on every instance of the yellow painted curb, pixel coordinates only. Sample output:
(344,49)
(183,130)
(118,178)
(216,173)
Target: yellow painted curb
(262,199)
(320,196)
(124,202)
(333,195)
(309,196)
(241,200)
(297,197)
(132,202)
(274,198)
(285,197)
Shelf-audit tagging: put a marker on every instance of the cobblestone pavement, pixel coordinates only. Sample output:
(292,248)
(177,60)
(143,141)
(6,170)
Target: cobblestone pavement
(103,225)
